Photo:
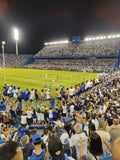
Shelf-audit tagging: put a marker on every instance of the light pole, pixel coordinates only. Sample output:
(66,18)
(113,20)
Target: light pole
(16,38)
(3,46)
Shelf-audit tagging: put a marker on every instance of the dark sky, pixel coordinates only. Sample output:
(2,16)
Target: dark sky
(48,20)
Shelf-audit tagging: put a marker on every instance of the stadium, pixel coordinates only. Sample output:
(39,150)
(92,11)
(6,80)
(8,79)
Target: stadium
(61,101)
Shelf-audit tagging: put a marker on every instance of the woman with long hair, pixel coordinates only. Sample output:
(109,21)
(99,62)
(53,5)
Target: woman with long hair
(95,147)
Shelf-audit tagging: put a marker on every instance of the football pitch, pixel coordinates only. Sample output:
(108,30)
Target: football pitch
(33,78)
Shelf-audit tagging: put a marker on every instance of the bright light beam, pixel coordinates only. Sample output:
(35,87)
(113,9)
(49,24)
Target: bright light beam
(16,34)
(16,37)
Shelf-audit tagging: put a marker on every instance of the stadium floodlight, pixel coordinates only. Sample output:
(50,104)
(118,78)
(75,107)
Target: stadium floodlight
(118,35)
(45,44)
(3,47)
(86,39)
(16,34)
(101,37)
(113,36)
(97,38)
(56,42)
(109,36)
(16,38)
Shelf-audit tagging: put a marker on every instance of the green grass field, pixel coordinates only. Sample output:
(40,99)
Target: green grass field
(33,78)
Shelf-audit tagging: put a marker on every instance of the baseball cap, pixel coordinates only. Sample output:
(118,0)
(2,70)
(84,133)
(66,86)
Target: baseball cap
(64,137)
(55,148)
(22,130)
(36,138)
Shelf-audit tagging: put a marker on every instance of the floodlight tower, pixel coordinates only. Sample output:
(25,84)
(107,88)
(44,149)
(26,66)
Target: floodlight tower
(3,46)
(16,38)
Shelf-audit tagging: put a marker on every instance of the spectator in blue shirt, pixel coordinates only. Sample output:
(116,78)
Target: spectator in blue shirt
(2,107)
(39,153)
(26,96)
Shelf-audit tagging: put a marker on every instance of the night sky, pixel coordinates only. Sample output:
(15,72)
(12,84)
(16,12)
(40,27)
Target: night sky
(48,20)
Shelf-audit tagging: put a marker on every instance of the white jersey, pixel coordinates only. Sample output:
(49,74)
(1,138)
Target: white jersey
(40,116)
(72,108)
(47,95)
(104,108)
(24,119)
(9,90)
(32,95)
(96,123)
(71,91)
(50,114)
(42,94)
(64,109)
(15,93)
(74,141)
(29,114)
(88,84)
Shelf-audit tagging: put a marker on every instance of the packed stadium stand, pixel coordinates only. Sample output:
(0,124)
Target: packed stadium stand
(100,47)
(75,64)
(89,56)
(13,60)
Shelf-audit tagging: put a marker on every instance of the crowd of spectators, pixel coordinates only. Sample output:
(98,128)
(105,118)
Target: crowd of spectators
(82,65)
(13,60)
(93,133)
(85,48)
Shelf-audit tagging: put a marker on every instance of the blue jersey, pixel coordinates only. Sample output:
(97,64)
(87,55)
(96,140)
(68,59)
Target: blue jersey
(54,114)
(26,94)
(38,157)
(97,92)
(62,93)
(66,158)
(22,94)
(2,107)
(5,89)
(83,87)
(106,158)
(12,91)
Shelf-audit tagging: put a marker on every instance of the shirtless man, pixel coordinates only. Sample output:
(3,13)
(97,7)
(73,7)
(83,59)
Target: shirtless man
(58,95)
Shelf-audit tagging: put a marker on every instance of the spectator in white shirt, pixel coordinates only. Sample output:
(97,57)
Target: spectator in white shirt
(75,140)
(72,110)
(40,116)
(71,92)
(64,109)
(23,119)
(29,116)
